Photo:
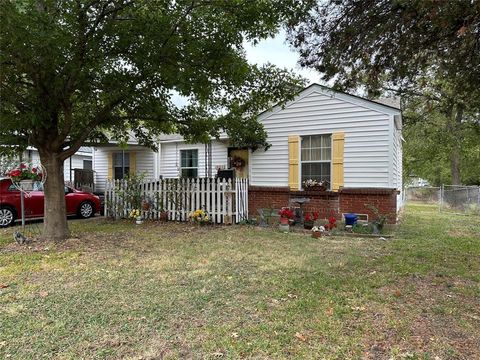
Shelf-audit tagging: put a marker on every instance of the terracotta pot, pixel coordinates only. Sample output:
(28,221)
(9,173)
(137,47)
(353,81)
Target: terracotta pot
(164,216)
(316,234)
(284,221)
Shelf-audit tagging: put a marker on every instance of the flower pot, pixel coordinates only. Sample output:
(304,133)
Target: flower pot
(26,185)
(139,220)
(164,216)
(284,227)
(308,224)
(316,188)
(284,221)
(317,234)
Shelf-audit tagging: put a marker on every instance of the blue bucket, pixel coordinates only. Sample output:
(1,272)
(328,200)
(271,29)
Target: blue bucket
(350,219)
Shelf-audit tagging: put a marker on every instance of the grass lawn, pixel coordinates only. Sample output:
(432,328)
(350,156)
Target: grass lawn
(167,291)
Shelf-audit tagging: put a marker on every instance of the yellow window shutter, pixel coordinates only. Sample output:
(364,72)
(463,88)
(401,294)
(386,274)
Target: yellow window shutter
(293,161)
(338,144)
(110,166)
(133,163)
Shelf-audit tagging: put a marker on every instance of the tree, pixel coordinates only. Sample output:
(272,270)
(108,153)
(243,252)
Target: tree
(79,71)
(418,49)
(428,131)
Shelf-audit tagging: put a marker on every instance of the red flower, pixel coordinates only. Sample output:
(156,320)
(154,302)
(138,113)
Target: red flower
(23,166)
(286,213)
(34,170)
(15,173)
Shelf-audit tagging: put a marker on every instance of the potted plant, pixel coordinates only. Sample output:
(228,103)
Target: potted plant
(317,231)
(161,208)
(135,214)
(200,217)
(314,185)
(380,219)
(25,175)
(309,219)
(332,223)
(285,216)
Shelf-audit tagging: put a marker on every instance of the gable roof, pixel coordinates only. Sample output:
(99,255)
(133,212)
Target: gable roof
(381,105)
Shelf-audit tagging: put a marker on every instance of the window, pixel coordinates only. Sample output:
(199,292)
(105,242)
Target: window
(87,165)
(121,165)
(316,158)
(189,163)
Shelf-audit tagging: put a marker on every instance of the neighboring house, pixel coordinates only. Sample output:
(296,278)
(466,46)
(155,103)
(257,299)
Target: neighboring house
(353,143)
(82,159)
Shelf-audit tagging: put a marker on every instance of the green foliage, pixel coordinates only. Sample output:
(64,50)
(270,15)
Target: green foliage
(76,72)
(430,141)
(131,192)
(381,43)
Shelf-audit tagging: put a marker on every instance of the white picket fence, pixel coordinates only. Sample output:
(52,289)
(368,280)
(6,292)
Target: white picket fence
(226,201)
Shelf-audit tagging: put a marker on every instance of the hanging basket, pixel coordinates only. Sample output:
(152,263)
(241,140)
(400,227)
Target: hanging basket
(26,185)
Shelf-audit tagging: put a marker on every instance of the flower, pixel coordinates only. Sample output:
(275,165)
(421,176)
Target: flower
(134,213)
(332,223)
(25,172)
(318,229)
(311,183)
(311,216)
(200,216)
(286,213)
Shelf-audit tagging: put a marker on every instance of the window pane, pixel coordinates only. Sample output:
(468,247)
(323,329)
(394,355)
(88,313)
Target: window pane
(188,158)
(306,155)
(121,159)
(326,141)
(326,154)
(316,154)
(118,173)
(189,173)
(316,171)
(316,141)
(305,142)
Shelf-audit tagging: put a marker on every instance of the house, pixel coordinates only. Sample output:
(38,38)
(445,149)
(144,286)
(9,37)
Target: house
(82,160)
(352,143)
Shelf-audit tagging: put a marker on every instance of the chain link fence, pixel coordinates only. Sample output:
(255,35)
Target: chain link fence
(450,198)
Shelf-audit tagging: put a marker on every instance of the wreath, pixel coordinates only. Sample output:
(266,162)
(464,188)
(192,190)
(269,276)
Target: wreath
(238,162)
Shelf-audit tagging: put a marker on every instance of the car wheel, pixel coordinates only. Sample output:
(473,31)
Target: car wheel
(85,210)
(7,216)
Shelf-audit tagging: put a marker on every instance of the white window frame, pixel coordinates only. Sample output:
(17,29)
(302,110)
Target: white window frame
(189,167)
(318,161)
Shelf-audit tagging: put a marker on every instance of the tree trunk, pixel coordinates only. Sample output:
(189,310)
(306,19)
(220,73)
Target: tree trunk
(55,222)
(455,156)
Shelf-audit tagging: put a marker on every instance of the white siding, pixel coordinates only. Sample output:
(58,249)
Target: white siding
(76,162)
(367,138)
(398,166)
(170,157)
(144,160)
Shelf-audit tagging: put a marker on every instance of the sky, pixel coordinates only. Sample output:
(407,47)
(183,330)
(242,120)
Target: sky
(277,52)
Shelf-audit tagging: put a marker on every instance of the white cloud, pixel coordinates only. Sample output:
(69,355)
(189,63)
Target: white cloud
(277,51)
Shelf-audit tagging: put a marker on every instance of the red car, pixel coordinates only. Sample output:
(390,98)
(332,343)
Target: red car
(82,204)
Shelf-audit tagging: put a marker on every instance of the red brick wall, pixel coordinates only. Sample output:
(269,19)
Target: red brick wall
(327,203)
(354,200)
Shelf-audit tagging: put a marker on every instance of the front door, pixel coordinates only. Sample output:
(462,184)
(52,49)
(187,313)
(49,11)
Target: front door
(239,162)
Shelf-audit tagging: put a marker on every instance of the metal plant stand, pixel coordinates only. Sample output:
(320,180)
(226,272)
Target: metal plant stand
(301,202)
